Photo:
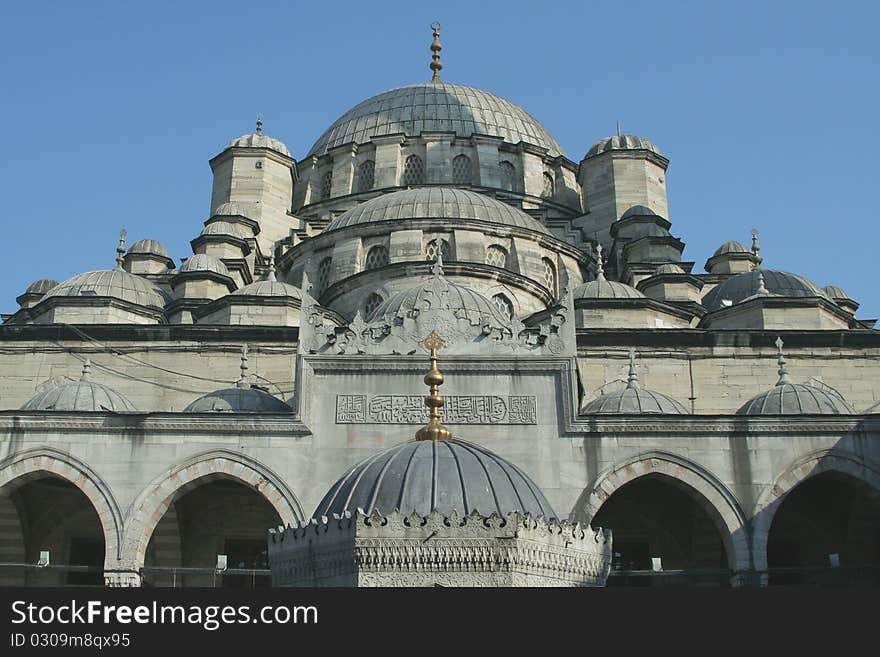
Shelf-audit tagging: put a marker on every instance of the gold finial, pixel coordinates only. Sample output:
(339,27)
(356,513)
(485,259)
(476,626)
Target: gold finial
(434,379)
(259,123)
(243,379)
(756,249)
(120,250)
(436,47)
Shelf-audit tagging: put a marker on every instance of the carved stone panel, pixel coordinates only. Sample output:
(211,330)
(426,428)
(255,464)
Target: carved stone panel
(458,409)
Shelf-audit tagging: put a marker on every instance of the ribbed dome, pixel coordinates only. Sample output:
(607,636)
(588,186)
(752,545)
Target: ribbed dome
(255,140)
(269,288)
(461,301)
(430,107)
(669,268)
(436,203)
(634,399)
(639,211)
(238,400)
(82,395)
(602,288)
(731,247)
(230,209)
(622,143)
(835,292)
(204,262)
(41,286)
(114,283)
(443,476)
(795,399)
(148,247)
(225,228)
(742,286)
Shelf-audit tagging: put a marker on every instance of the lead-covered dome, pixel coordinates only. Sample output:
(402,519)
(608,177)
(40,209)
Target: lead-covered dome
(269,288)
(259,140)
(436,107)
(114,283)
(622,143)
(82,395)
(742,286)
(731,247)
(444,476)
(238,400)
(436,203)
(795,399)
(602,288)
(41,286)
(148,247)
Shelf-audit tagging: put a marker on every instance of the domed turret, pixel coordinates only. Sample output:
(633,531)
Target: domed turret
(745,285)
(622,143)
(82,395)
(35,291)
(633,399)
(841,298)
(731,258)
(602,288)
(147,257)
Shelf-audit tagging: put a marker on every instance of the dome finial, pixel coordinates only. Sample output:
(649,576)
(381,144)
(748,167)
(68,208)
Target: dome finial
(271,275)
(86,370)
(437,267)
(259,123)
(600,269)
(243,379)
(434,379)
(120,249)
(756,249)
(618,127)
(436,47)
(783,372)
(632,380)
(762,289)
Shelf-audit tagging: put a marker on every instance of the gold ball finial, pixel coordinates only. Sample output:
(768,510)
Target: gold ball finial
(436,47)
(433,430)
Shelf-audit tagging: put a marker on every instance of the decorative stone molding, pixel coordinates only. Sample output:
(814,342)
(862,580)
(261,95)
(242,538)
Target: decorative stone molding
(412,550)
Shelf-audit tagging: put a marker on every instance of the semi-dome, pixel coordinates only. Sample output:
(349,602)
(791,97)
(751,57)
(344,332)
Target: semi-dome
(436,203)
(795,399)
(436,107)
(148,247)
(435,475)
(41,286)
(259,140)
(114,283)
(238,400)
(204,262)
(622,143)
(82,395)
(633,399)
(230,209)
(742,286)
(224,228)
(731,247)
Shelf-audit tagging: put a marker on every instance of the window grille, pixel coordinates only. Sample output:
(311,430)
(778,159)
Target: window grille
(461,170)
(366,176)
(413,171)
(376,257)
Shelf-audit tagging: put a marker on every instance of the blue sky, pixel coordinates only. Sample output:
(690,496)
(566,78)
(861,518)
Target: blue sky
(766,110)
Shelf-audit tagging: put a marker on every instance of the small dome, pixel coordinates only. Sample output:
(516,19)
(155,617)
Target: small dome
(461,301)
(835,292)
(622,143)
(238,400)
(82,395)
(255,140)
(148,247)
(795,399)
(442,476)
(742,286)
(436,203)
(230,209)
(634,400)
(669,268)
(731,247)
(436,107)
(203,262)
(602,288)
(114,283)
(269,288)
(41,286)
(639,211)
(224,228)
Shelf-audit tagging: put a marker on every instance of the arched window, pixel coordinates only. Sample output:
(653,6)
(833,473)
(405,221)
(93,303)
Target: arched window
(507,175)
(431,249)
(461,170)
(326,185)
(371,304)
(504,305)
(413,171)
(549,186)
(366,176)
(376,257)
(496,256)
(549,275)
(323,279)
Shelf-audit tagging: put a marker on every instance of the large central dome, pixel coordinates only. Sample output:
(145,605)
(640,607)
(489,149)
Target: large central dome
(436,107)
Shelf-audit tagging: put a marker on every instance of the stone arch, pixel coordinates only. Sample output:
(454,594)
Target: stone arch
(717,500)
(154,500)
(31,464)
(803,468)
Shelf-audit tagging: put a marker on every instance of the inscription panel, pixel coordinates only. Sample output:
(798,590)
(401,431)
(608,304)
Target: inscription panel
(458,409)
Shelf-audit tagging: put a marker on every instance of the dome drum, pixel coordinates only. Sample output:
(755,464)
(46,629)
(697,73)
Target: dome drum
(202,277)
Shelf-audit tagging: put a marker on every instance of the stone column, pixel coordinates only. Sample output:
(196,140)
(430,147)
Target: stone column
(387,160)
(343,169)
(488,159)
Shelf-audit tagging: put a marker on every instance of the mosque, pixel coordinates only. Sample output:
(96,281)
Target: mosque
(611,413)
